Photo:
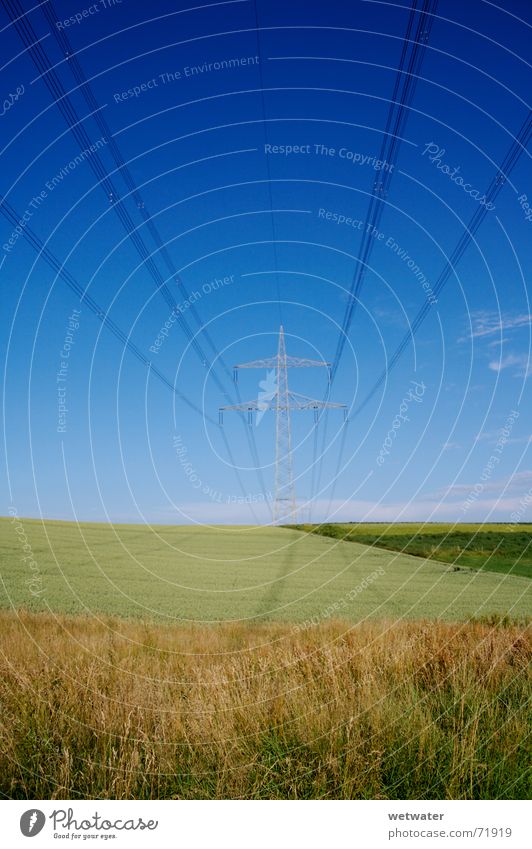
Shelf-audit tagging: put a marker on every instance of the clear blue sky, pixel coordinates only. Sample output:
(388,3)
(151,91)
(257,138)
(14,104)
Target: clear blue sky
(126,448)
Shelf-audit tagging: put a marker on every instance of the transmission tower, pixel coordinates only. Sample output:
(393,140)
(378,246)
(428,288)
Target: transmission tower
(277,396)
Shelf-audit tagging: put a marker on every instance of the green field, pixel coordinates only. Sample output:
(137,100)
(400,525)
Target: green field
(492,547)
(248,574)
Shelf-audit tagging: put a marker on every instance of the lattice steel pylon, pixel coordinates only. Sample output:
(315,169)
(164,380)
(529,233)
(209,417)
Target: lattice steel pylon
(280,399)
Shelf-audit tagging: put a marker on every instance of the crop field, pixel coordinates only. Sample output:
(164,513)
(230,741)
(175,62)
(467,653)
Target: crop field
(205,574)
(493,547)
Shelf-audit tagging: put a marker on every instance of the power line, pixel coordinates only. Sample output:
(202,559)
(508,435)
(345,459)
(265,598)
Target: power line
(268,169)
(88,94)
(510,160)
(62,100)
(59,95)
(512,156)
(397,117)
(102,315)
(406,77)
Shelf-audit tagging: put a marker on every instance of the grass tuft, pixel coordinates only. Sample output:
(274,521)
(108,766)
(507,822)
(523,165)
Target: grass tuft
(115,709)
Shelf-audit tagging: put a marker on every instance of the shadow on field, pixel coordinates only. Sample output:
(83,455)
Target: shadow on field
(274,591)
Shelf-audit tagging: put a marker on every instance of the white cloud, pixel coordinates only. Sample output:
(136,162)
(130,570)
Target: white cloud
(494,435)
(446,506)
(484,435)
(515,484)
(497,500)
(521,440)
(493,509)
(522,363)
(490,323)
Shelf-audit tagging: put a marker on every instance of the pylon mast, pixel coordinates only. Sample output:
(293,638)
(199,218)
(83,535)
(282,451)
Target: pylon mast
(284,505)
(282,401)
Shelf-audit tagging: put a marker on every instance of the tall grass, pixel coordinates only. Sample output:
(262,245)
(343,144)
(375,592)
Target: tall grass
(115,709)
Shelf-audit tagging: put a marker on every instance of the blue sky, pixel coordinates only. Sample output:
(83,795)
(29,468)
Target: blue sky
(258,239)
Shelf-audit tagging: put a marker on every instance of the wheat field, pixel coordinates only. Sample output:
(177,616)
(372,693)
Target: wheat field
(180,574)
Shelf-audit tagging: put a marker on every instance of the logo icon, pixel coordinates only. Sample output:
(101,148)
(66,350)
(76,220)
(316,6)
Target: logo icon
(268,392)
(32,822)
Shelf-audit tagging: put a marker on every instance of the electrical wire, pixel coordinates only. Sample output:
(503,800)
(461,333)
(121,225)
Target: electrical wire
(519,144)
(122,167)
(511,158)
(407,75)
(50,78)
(102,315)
(14,219)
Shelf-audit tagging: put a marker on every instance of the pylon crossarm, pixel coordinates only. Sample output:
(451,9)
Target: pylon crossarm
(315,405)
(291,362)
(303,402)
(301,362)
(270,362)
(296,401)
(245,405)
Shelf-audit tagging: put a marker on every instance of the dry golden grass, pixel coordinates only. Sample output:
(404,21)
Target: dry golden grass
(114,709)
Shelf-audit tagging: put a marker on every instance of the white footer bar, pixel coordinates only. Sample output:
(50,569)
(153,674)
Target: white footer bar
(264,825)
